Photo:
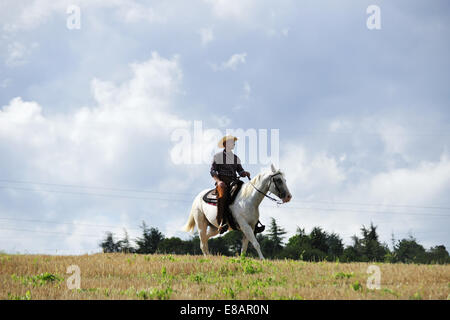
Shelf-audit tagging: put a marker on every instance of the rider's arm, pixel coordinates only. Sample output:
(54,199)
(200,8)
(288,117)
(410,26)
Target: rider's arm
(214,171)
(241,170)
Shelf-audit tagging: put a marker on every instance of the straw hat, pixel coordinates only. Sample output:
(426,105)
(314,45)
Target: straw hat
(222,141)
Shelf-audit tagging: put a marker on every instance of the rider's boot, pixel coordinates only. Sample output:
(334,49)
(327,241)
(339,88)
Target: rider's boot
(221,207)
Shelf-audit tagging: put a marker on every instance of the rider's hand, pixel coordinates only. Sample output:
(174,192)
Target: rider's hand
(245,174)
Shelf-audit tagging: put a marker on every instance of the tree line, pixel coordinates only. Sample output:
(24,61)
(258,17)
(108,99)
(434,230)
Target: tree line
(318,245)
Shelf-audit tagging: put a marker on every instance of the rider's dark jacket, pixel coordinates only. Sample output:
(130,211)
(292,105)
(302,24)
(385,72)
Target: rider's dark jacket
(226,164)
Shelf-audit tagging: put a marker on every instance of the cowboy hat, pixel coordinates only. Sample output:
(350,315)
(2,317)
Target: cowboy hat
(222,141)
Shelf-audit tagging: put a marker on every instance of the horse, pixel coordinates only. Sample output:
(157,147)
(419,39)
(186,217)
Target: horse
(244,209)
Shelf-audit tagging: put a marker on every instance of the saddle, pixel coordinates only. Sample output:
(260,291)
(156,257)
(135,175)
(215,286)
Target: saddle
(211,196)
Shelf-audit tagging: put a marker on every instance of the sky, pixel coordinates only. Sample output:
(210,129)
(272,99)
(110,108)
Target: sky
(92,94)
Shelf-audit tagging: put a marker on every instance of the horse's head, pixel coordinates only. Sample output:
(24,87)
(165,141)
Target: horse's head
(278,186)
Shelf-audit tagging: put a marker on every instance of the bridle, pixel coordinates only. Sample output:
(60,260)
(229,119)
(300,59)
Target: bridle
(276,186)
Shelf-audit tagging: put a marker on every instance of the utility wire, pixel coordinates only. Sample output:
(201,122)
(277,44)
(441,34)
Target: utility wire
(68,223)
(189,201)
(92,194)
(91,187)
(366,211)
(194,194)
(51,232)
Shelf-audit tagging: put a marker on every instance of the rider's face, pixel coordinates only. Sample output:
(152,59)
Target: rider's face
(229,144)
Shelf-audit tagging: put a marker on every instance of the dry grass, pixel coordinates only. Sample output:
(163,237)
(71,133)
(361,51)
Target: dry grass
(128,276)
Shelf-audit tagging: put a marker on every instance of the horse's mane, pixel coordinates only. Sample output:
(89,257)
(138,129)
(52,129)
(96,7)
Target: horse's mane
(247,188)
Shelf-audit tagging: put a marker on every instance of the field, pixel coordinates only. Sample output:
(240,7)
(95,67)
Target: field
(129,276)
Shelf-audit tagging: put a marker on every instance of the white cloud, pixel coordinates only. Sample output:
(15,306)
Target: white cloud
(420,185)
(339,124)
(247,90)
(234,61)
(315,171)
(133,12)
(5,83)
(326,196)
(28,15)
(19,54)
(236,9)
(25,16)
(86,144)
(221,121)
(394,136)
(206,35)
(231,63)
(119,140)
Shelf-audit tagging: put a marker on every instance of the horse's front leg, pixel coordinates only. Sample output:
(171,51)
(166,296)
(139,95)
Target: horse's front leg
(250,236)
(244,245)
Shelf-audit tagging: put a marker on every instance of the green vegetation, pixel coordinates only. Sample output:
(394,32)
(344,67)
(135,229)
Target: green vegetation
(318,245)
(38,280)
(162,277)
(356,286)
(343,275)
(27,296)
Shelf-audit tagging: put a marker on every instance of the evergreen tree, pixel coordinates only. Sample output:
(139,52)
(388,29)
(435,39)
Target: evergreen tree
(368,248)
(109,245)
(125,245)
(233,240)
(373,250)
(335,246)
(318,245)
(409,251)
(151,237)
(175,245)
(319,239)
(438,254)
(218,246)
(275,236)
(353,252)
(298,246)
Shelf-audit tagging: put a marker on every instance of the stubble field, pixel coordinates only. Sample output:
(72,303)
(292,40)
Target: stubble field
(130,276)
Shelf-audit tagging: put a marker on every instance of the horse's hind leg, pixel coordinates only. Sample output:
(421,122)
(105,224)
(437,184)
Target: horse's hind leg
(212,231)
(203,241)
(202,225)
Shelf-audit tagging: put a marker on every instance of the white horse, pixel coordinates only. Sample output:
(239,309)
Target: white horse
(244,209)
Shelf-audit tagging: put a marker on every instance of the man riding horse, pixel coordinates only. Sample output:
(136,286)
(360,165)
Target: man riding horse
(224,167)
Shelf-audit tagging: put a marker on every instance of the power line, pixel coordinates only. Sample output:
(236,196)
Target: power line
(373,204)
(355,133)
(189,201)
(186,193)
(92,187)
(51,232)
(93,194)
(369,211)
(68,223)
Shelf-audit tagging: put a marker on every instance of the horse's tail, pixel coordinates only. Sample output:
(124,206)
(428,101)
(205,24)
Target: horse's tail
(190,224)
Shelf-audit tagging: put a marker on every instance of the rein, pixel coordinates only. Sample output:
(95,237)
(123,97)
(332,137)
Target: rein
(264,194)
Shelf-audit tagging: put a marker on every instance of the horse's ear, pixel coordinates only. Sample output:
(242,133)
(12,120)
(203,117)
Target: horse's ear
(273,168)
